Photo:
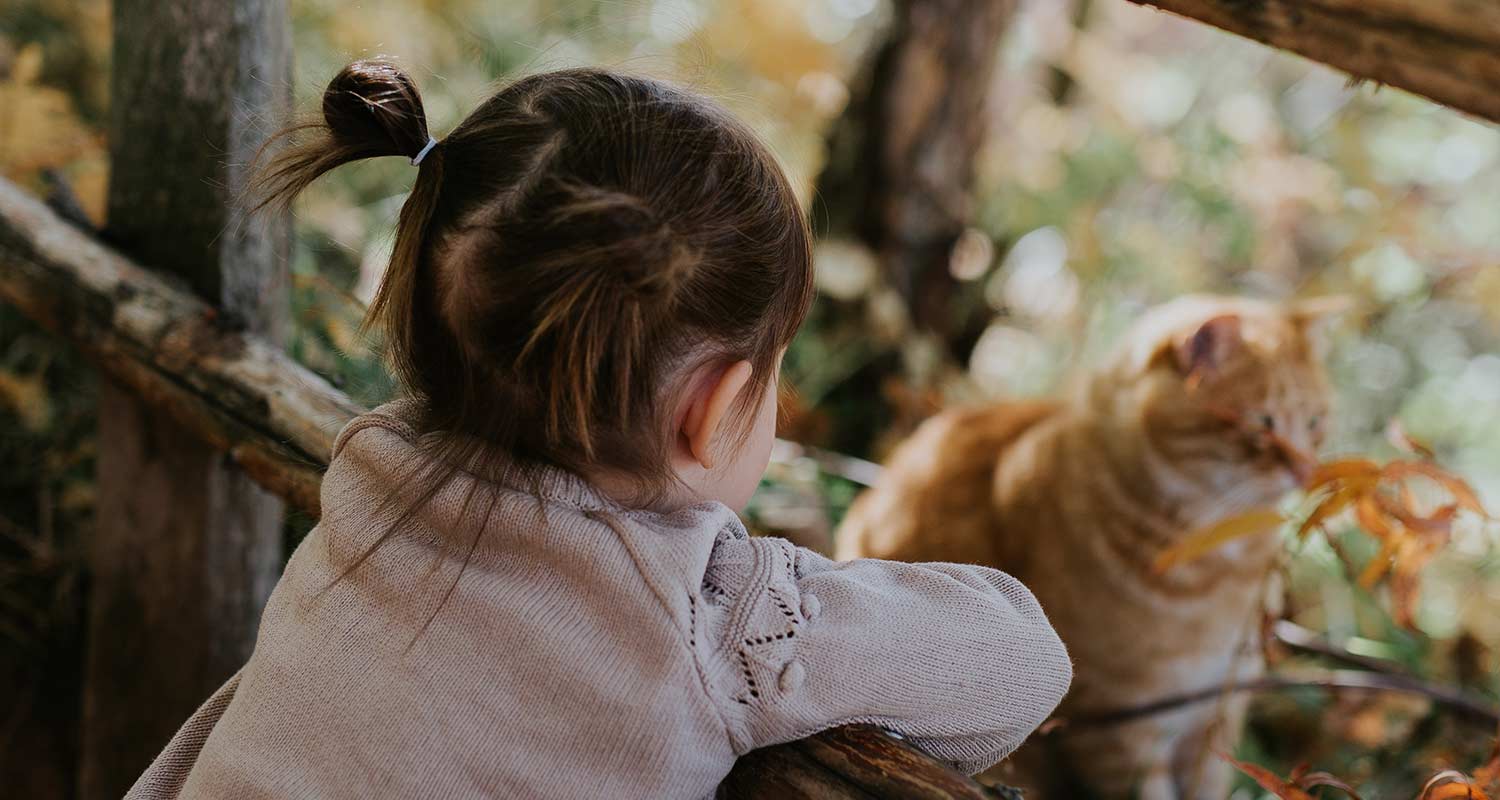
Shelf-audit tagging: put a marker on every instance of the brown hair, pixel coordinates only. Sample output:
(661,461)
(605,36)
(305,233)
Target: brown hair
(577,239)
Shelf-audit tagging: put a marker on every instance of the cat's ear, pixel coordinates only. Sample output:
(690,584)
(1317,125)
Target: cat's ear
(1312,314)
(1210,347)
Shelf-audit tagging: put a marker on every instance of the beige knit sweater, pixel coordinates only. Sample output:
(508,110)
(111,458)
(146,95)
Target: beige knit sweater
(600,652)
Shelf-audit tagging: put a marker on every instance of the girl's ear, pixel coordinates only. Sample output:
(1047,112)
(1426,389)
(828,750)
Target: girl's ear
(709,406)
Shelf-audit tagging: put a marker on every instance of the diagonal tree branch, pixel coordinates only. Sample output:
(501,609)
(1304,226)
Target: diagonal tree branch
(236,391)
(1445,50)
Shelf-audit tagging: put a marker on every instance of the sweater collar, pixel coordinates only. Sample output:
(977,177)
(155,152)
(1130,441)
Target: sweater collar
(558,486)
(385,455)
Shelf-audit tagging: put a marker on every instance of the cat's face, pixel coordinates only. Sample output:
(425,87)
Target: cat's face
(1232,387)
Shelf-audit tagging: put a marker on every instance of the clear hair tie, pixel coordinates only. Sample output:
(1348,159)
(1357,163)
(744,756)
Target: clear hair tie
(421,154)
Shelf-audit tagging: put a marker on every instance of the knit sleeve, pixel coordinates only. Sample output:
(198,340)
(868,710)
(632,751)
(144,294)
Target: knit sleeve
(958,659)
(165,777)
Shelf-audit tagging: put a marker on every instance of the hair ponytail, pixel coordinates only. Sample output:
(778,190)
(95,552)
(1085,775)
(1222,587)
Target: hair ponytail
(370,109)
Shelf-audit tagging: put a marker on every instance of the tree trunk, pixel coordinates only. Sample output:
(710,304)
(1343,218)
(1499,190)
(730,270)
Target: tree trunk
(187,547)
(900,169)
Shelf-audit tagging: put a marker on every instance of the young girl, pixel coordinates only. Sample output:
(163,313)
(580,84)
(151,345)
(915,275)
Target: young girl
(529,579)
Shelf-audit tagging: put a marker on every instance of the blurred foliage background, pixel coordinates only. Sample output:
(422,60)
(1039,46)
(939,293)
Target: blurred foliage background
(1132,157)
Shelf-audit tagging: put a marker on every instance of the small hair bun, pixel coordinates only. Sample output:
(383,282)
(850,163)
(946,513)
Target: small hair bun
(373,106)
(639,249)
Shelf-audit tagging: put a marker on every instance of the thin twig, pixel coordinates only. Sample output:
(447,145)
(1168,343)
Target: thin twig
(1302,639)
(855,470)
(1465,705)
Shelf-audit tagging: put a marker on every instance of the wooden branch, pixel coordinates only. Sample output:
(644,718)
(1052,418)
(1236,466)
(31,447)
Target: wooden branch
(235,391)
(1445,50)
(856,761)
(277,420)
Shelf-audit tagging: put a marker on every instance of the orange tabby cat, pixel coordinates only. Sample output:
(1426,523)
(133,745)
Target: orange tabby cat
(1200,414)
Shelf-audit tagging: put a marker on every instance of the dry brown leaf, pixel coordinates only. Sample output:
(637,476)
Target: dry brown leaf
(27,396)
(1293,787)
(1269,780)
(1311,780)
(1446,785)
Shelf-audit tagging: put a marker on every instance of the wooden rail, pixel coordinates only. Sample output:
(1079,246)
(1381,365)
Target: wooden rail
(278,420)
(243,395)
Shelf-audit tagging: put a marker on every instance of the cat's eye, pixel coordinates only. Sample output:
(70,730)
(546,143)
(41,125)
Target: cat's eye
(1314,421)
(1267,422)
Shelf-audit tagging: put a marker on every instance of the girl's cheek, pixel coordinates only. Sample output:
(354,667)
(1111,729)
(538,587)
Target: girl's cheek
(769,409)
(762,437)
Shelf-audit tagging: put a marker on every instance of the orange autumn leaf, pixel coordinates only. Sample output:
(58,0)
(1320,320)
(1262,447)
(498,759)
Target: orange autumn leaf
(1454,485)
(1377,566)
(1451,785)
(1438,522)
(1342,470)
(1372,516)
(1488,776)
(1386,508)
(1327,508)
(1202,541)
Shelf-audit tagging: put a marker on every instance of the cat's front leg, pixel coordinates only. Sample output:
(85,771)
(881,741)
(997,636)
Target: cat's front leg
(1211,782)
(1157,784)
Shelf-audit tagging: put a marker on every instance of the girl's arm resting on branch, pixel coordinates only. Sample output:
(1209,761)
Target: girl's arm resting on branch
(958,659)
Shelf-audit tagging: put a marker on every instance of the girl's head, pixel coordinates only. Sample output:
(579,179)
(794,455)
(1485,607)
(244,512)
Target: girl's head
(594,271)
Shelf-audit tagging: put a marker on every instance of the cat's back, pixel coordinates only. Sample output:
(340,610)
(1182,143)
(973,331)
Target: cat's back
(935,498)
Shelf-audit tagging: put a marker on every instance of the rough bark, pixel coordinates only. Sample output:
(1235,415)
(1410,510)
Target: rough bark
(856,761)
(1446,50)
(242,396)
(901,158)
(186,546)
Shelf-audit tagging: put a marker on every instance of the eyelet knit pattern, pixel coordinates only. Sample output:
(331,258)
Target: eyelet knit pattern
(590,650)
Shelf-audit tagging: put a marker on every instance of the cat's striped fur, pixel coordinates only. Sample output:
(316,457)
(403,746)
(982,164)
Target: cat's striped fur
(1192,420)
